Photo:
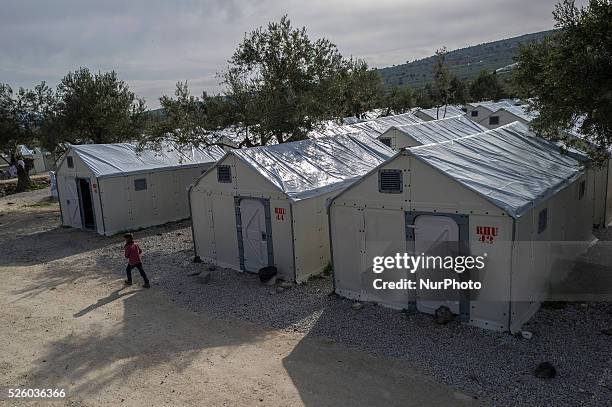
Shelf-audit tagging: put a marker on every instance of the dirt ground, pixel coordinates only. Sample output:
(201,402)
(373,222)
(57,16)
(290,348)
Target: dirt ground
(68,323)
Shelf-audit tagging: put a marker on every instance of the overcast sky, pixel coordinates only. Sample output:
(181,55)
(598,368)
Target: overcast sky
(153,44)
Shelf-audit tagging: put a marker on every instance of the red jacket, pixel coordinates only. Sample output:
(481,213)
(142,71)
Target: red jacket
(132,253)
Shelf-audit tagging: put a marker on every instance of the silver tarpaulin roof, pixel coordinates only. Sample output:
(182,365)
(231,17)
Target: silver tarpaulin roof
(443,112)
(107,160)
(509,166)
(308,168)
(436,131)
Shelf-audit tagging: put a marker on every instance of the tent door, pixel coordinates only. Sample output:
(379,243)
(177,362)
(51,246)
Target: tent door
(436,235)
(73,203)
(255,234)
(88,219)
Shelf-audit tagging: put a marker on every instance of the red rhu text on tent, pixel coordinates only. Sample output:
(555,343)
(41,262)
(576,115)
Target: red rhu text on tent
(486,234)
(280,213)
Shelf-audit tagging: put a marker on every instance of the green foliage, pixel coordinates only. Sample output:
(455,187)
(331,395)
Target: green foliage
(11,132)
(22,121)
(285,84)
(98,108)
(23,114)
(569,76)
(487,86)
(399,99)
(279,85)
(423,97)
(187,119)
(359,87)
(441,85)
(459,91)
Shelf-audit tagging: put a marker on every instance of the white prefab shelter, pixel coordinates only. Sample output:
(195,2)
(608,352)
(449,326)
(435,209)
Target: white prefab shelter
(111,188)
(506,115)
(442,112)
(503,192)
(373,128)
(477,110)
(265,206)
(599,177)
(434,131)
(601,182)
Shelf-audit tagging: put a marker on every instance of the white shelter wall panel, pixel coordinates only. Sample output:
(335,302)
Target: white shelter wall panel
(203,226)
(226,234)
(348,247)
(598,182)
(489,307)
(282,238)
(165,197)
(385,235)
(116,207)
(365,193)
(529,270)
(183,180)
(209,181)
(143,202)
(249,182)
(311,236)
(405,141)
(504,117)
(431,189)
(79,166)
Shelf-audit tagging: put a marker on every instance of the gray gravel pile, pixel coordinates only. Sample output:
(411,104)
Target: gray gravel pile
(496,366)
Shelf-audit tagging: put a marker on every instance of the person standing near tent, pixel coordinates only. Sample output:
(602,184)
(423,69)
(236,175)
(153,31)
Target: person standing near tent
(132,252)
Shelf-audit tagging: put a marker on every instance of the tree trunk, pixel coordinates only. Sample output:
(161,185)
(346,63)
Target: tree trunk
(23,179)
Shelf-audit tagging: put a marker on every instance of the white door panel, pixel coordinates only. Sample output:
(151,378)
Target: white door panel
(72,203)
(436,236)
(254,236)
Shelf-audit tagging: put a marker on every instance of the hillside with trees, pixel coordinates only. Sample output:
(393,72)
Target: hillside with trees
(464,63)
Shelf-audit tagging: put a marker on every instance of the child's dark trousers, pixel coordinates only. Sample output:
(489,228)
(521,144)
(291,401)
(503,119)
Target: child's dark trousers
(128,271)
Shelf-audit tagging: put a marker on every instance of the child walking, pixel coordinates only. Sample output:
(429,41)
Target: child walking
(132,253)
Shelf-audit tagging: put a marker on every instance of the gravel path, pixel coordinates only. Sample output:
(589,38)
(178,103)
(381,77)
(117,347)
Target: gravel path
(496,366)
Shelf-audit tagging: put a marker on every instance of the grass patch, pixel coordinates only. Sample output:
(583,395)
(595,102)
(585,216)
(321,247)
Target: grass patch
(42,204)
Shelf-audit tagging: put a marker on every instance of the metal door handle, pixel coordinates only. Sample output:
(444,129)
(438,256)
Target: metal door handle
(263,236)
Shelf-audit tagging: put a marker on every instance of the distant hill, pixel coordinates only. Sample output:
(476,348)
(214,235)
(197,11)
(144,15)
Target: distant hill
(155,113)
(465,63)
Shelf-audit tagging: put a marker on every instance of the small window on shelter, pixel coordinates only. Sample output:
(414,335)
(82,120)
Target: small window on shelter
(390,181)
(70,162)
(224,173)
(494,120)
(542,220)
(386,141)
(140,184)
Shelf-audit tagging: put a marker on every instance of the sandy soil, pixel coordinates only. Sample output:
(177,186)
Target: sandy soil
(68,323)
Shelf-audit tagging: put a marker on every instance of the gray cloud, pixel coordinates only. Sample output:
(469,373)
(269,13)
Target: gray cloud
(153,44)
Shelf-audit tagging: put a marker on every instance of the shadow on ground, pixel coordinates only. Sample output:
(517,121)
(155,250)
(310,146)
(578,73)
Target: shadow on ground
(374,381)
(151,333)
